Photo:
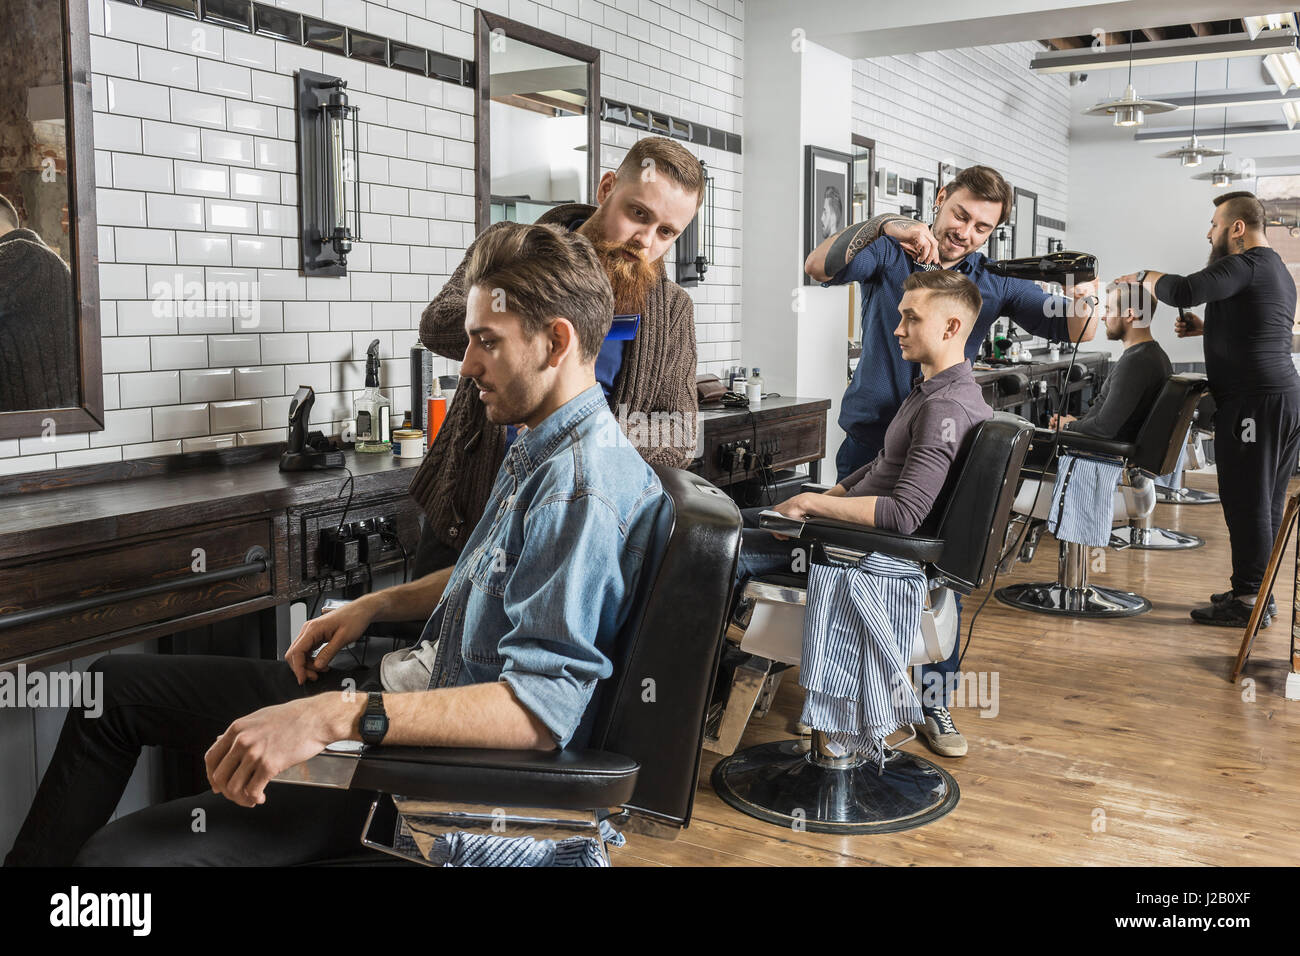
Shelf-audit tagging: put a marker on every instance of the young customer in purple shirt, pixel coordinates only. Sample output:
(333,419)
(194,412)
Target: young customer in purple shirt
(897,489)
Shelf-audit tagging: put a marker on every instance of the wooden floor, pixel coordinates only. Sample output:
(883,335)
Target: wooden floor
(1115,742)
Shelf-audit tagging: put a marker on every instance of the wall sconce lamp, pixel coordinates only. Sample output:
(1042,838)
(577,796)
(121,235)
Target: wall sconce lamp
(1055,245)
(329,222)
(695,246)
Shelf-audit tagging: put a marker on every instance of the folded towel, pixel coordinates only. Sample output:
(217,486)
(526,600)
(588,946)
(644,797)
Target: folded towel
(859,625)
(1082,501)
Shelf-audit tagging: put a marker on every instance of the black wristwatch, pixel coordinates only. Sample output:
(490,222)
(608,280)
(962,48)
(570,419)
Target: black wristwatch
(374,722)
(1141,276)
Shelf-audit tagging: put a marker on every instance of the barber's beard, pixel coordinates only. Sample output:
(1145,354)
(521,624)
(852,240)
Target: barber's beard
(1218,251)
(630,280)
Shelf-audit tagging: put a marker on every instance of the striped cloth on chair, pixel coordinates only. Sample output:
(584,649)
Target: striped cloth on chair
(858,630)
(1083,499)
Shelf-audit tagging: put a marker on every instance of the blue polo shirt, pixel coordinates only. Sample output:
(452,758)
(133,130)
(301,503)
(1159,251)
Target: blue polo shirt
(882,379)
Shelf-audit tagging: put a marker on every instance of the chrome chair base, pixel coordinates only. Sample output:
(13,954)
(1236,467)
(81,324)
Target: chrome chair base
(786,784)
(1049,597)
(1184,496)
(1153,539)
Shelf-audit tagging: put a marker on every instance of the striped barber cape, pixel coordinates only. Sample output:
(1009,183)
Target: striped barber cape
(859,625)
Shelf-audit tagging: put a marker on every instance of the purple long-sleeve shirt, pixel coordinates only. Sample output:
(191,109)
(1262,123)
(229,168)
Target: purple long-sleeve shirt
(920,445)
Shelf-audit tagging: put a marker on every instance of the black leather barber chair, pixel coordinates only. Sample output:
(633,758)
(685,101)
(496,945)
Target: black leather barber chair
(1202,428)
(792,784)
(642,765)
(1155,450)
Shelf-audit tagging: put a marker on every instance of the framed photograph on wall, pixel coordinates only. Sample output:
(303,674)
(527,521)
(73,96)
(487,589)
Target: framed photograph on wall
(1024,223)
(828,192)
(925,194)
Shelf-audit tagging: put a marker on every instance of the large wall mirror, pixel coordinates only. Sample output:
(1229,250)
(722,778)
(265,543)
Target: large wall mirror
(51,378)
(538,121)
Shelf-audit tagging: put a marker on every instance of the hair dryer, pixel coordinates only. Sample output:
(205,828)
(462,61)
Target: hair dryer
(1066,268)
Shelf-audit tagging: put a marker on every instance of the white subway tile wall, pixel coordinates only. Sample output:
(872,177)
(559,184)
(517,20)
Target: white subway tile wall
(974,106)
(208,328)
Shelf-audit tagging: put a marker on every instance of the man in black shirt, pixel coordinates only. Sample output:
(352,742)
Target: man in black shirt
(1247,327)
(1125,398)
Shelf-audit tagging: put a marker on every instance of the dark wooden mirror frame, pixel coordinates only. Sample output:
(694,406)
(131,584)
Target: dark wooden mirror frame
(484,25)
(89,415)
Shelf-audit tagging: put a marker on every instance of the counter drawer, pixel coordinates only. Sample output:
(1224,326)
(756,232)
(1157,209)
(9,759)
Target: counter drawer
(182,574)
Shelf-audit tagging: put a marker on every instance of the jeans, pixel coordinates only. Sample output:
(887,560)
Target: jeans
(762,553)
(184,702)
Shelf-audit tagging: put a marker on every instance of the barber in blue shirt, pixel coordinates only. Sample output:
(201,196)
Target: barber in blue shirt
(880,254)
(883,252)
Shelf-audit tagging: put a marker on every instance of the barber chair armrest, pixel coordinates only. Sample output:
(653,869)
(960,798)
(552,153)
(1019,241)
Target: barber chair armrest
(556,779)
(857,537)
(1077,441)
(815,488)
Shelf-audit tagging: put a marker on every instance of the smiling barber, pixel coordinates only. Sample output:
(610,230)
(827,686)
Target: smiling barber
(966,212)
(643,207)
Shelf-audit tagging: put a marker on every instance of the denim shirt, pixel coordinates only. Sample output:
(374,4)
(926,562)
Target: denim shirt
(546,579)
(883,378)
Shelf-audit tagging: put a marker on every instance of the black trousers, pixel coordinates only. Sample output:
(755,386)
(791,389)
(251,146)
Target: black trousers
(1256,444)
(184,702)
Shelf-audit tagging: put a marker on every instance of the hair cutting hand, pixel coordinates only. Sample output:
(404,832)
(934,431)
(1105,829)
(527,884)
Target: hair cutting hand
(916,239)
(1188,324)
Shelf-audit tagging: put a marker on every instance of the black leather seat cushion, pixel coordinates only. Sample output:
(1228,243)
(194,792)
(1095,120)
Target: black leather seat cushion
(557,779)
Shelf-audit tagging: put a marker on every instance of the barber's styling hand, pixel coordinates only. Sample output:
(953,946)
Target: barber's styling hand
(916,239)
(1188,324)
(332,631)
(1059,421)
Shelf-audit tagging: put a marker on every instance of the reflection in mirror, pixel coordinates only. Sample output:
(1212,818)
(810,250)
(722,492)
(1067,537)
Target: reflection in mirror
(39,364)
(539,130)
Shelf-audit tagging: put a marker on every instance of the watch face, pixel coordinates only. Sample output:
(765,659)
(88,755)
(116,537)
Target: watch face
(373,724)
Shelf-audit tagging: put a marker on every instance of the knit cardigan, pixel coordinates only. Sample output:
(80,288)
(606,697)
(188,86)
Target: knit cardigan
(454,481)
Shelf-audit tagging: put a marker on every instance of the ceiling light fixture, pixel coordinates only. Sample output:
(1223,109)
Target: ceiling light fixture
(1269,21)
(1128,110)
(1192,152)
(1284,68)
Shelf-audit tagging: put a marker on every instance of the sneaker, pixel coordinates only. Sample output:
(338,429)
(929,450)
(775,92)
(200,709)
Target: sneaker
(942,735)
(1230,613)
(1223,596)
(802,729)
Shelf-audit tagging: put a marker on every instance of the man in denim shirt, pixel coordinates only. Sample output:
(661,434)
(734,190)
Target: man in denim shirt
(524,622)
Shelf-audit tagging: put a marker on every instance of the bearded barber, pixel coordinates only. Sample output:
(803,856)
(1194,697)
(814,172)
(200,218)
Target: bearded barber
(966,212)
(642,208)
(1251,305)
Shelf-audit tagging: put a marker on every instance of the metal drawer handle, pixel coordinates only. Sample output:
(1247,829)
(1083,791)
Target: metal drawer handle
(256,561)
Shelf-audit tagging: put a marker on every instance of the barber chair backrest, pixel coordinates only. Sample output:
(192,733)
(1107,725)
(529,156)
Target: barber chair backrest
(1161,437)
(976,500)
(653,707)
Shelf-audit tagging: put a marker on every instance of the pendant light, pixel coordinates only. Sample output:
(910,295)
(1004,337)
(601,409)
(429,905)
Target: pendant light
(1128,110)
(1193,152)
(1222,177)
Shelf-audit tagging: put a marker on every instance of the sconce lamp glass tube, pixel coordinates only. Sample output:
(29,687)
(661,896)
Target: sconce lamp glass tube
(330,218)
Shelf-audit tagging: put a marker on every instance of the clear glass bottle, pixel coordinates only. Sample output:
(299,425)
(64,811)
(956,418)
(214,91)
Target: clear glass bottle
(374,413)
